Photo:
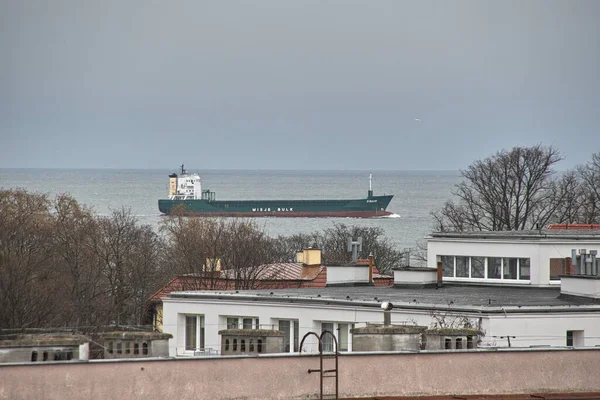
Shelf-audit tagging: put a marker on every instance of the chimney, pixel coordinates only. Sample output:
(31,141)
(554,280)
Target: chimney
(585,281)
(440,271)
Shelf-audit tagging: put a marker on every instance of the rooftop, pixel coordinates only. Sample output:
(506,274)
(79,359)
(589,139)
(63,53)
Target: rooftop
(570,234)
(472,298)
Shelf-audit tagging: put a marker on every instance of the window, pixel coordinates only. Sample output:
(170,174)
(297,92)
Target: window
(234,345)
(243,345)
(447,343)
(524,268)
(257,323)
(343,336)
(477,267)
(462,267)
(232,323)
(127,348)
(110,347)
(119,348)
(259,346)
(226,344)
(251,345)
(34,356)
(494,268)
(459,343)
(448,266)
(510,268)
(327,341)
(145,348)
(575,338)
(470,343)
(247,323)
(557,268)
(191,326)
(194,332)
(136,348)
(284,326)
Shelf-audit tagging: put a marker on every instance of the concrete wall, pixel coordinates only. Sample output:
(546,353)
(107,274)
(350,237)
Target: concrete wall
(415,277)
(538,251)
(286,377)
(530,329)
(587,286)
(347,274)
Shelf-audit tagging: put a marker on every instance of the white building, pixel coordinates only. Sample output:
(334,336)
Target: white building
(528,258)
(515,300)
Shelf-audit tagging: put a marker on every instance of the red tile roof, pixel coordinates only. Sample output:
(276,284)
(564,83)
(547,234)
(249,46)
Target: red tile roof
(573,226)
(272,276)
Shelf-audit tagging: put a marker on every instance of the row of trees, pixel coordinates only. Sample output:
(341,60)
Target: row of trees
(520,189)
(62,265)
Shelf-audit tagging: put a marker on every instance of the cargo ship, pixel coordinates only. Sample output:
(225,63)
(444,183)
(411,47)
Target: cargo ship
(187,196)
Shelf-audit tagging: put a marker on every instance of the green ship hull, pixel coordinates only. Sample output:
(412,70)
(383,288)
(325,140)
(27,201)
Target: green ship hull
(372,206)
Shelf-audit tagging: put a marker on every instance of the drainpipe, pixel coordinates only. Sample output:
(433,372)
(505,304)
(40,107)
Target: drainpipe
(370,268)
(440,271)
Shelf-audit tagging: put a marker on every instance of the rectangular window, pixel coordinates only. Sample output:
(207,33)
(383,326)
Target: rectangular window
(136,348)
(110,347)
(327,338)
(284,326)
(494,268)
(127,347)
(448,266)
(510,268)
(190,332)
(575,338)
(477,267)
(343,336)
(247,323)
(462,267)
(232,323)
(557,268)
(119,348)
(257,323)
(524,268)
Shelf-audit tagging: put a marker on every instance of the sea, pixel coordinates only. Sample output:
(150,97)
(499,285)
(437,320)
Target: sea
(416,194)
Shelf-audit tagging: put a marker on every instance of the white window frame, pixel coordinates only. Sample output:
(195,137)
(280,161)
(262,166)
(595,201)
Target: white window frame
(516,280)
(199,337)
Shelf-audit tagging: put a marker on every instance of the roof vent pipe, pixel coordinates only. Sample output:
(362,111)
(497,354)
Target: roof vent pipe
(387,313)
(355,247)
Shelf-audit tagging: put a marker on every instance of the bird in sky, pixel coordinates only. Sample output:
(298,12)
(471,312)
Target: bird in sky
(418,120)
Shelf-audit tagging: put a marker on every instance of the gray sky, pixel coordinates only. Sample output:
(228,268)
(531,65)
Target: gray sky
(327,84)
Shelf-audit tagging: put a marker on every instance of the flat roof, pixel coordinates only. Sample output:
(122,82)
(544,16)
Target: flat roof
(588,234)
(489,299)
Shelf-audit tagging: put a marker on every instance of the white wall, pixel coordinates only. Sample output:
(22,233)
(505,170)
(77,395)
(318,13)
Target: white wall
(538,251)
(543,328)
(344,274)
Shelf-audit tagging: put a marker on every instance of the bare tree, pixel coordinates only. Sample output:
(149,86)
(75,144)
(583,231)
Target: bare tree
(116,247)
(27,290)
(590,192)
(85,287)
(512,190)
(194,247)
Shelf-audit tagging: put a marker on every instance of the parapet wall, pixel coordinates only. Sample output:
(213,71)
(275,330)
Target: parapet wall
(286,377)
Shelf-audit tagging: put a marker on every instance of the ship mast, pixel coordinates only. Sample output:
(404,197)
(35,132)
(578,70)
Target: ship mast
(370,182)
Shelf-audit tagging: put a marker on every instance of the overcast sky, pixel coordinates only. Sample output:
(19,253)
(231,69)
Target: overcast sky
(272,84)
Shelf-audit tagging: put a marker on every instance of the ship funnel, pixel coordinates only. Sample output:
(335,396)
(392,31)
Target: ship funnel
(172,184)
(370,186)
